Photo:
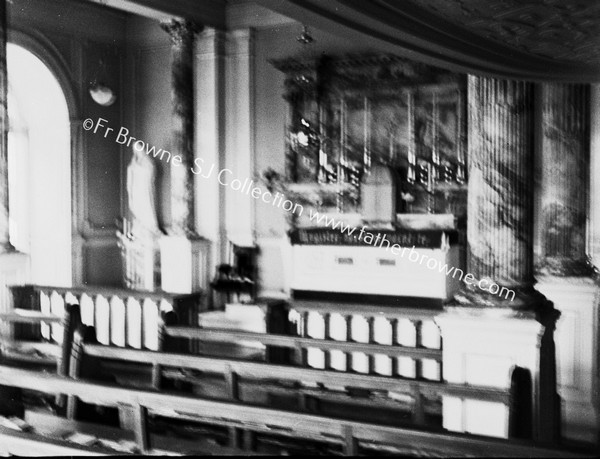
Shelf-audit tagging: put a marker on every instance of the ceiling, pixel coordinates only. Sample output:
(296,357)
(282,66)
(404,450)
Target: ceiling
(564,30)
(524,39)
(528,39)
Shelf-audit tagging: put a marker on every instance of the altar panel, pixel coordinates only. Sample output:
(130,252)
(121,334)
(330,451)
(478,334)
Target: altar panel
(375,270)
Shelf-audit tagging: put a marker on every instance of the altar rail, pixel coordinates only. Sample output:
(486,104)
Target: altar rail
(404,342)
(126,318)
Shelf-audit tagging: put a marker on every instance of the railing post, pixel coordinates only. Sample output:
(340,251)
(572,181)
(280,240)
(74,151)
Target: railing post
(71,323)
(142,436)
(249,442)
(348,339)
(371,339)
(350,442)
(418,344)
(231,379)
(327,336)
(419,409)
(394,324)
(84,334)
(162,337)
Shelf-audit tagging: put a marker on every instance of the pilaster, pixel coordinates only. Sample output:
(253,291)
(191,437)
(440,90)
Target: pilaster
(5,245)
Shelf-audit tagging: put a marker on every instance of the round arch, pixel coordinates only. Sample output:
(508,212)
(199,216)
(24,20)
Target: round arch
(45,51)
(44,144)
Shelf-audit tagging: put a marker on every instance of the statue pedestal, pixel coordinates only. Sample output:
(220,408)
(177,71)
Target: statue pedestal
(14,270)
(481,347)
(184,264)
(139,260)
(577,298)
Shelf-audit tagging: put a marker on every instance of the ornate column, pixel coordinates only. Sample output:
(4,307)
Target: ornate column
(183,254)
(489,330)
(5,245)
(500,200)
(564,181)
(182,34)
(14,266)
(562,269)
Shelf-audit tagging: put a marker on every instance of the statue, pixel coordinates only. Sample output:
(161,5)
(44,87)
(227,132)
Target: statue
(141,195)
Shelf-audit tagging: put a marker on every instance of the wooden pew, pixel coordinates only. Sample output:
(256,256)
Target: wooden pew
(40,352)
(352,436)
(16,443)
(235,371)
(286,379)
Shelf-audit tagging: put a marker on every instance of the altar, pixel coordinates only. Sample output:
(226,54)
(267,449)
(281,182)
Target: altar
(404,265)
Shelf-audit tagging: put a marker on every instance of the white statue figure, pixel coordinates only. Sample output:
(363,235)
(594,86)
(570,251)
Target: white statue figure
(141,194)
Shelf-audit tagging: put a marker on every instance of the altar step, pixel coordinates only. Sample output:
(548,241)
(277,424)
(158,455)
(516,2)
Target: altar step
(235,317)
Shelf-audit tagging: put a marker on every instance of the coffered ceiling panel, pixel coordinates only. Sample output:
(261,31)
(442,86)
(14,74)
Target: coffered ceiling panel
(565,30)
(526,39)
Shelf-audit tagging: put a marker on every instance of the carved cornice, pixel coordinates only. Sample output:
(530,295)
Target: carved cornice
(503,38)
(372,73)
(181,30)
(557,29)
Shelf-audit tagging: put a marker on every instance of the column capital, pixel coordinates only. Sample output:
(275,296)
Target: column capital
(181,30)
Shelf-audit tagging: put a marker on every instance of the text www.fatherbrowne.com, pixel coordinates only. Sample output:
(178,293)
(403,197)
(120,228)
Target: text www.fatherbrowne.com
(248,187)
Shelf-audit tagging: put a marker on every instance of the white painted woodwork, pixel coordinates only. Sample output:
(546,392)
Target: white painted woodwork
(576,341)
(373,270)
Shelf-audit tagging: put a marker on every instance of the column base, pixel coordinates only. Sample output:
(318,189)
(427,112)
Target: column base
(7,247)
(524,298)
(577,298)
(14,270)
(139,261)
(564,267)
(184,264)
(483,346)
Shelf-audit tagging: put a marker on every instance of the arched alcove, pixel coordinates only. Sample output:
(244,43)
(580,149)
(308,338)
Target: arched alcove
(39,167)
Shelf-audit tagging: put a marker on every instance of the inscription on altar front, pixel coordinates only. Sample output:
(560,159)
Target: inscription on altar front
(404,238)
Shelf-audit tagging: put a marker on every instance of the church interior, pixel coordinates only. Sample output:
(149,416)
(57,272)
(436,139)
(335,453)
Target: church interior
(300,227)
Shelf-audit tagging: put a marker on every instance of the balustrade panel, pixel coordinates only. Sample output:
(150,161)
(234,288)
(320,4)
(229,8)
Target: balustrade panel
(117,315)
(118,322)
(45,309)
(406,329)
(382,334)
(315,328)
(150,322)
(86,305)
(134,323)
(57,308)
(102,319)
(338,332)
(360,334)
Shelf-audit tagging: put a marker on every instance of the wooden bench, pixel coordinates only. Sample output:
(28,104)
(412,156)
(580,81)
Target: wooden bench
(351,436)
(43,320)
(295,383)
(247,424)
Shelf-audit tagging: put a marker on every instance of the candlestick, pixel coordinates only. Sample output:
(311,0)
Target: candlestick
(412,157)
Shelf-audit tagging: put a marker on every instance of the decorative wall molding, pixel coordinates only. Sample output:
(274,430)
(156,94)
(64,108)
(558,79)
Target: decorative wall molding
(557,29)
(244,14)
(422,34)
(576,338)
(240,131)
